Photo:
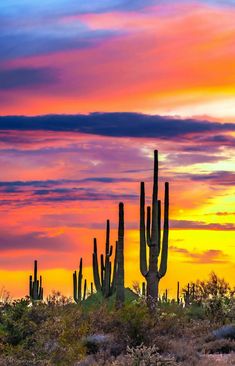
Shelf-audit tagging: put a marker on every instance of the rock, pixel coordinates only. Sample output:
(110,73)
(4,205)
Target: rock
(225,332)
(95,342)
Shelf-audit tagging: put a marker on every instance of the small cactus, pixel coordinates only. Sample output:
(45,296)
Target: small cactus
(77,285)
(35,285)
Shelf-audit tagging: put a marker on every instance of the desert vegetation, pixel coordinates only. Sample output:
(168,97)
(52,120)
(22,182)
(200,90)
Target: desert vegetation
(59,331)
(105,323)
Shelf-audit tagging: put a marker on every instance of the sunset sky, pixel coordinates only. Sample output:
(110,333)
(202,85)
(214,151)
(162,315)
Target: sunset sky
(87,91)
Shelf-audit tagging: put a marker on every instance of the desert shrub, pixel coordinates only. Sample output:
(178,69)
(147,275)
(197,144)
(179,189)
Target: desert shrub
(200,291)
(196,312)
(217,308)
(144,356)
(217,360)
(133,322)
(184,354)
(15,322)
(220,346)
(56,298)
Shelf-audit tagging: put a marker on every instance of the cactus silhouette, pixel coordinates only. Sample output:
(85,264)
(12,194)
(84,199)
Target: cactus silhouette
(107,279)
(120,289)
(35,285)
(151,235)
(104,278)
(143,293)
(178,292)
(77,285)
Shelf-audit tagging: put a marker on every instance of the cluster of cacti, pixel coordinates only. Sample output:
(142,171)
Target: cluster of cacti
(189,294)
(35,285)
(109,274)
(79,293)
(150,235)
(109,280)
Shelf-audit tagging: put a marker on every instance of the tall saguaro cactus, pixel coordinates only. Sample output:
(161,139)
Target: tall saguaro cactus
(150,234)
(77,285)
(35,285)
(120,292)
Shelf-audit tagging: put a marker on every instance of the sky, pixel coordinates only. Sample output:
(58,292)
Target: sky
(87,92)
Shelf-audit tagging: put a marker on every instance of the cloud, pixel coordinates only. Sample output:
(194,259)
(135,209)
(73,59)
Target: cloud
(57,8)
(221,178)
(48,41)
(44,29)
(212,256)
(200,225)
(33,240)
(48,184)
(116,125)
(184,159)
(26,77)
(21,194)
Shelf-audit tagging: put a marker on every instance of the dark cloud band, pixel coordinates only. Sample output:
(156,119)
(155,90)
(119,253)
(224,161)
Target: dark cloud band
(116,125)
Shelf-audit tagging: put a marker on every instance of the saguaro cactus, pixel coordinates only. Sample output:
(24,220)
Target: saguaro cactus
(178,292)
(106,278)
(77,285)
(151,235)
(120,293)
(35,285)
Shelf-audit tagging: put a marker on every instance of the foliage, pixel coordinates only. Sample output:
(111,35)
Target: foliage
(201,291)
(145,356)
(59,332)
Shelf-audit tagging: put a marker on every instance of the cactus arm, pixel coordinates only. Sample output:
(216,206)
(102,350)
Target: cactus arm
(107,237)
(95,266)
(37,289)
(40,288)
(143,259)
(107,276)
(159,227)
(102,270)
(148,226)
(164,254)
(80,281)
(75,286)
(35,271)
(84,290)
(114,279)
(110,278)
(31,286)
(154,233)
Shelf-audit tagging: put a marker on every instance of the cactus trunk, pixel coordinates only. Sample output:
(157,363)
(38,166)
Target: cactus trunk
(120,291)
